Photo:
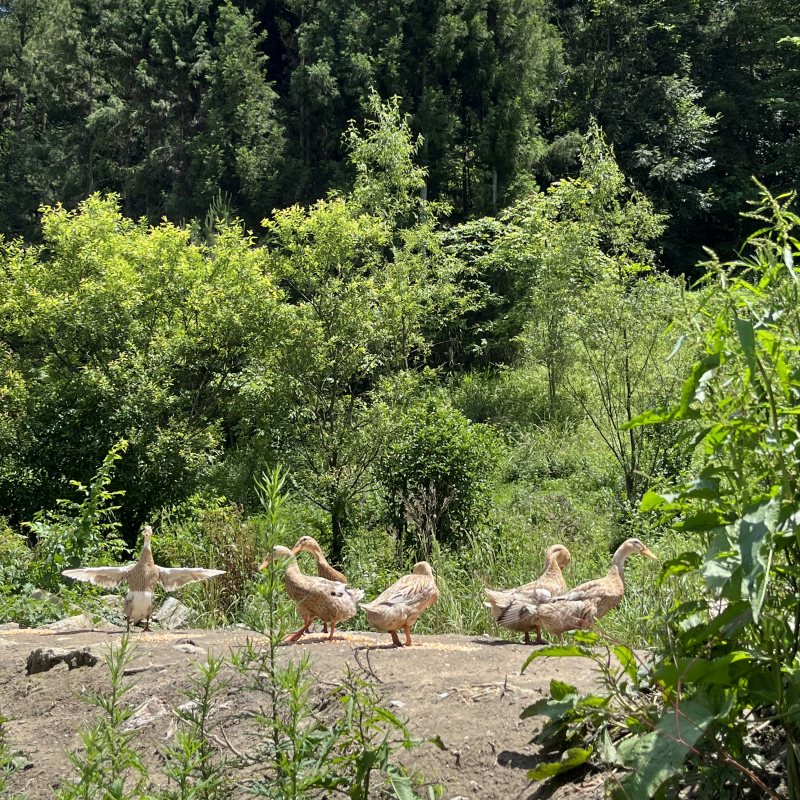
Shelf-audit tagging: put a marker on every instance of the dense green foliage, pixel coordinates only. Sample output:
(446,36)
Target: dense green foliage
(172,102)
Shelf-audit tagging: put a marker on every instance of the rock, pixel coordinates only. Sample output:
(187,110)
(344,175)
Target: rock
(173,614)
(44,659)
(397,704)
(9,626)
(146,714)
(189,647)
(47,597)
(81,622)
(112,601)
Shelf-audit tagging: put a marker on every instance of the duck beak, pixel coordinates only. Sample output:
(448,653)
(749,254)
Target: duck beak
(649,553)
(296,549)
(265,563)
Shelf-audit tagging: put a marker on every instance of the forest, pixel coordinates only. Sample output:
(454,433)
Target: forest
(440,279)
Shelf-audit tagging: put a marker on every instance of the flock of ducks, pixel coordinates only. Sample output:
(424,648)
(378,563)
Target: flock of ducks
(541,605)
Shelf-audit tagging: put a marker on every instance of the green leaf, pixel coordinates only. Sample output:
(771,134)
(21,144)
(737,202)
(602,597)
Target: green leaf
(744,329)
(787,251)
(704,487)
(651,501)
(722,566)
(733,619)
(557,651)
(656,756)
(701,371)
(627,660)
(702,521)
(559,690)
(722,671)
(570,759)
(400,782)
(648,418)
(681,564)
(547,707)
(755,534)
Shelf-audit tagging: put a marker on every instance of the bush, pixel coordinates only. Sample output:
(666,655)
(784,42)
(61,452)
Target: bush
(436,474)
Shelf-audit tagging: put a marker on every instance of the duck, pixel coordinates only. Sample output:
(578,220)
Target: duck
(316,598)
(509,607)
(142,578)
(607,592)
(576,609)
(401,604)
(518,614)
(324,570)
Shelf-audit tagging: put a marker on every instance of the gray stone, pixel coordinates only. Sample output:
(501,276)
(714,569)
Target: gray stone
(173,615)
(44,659)
(189,647)
(81,622)
(9,626)
(113,601)
(146,714)
(47,597)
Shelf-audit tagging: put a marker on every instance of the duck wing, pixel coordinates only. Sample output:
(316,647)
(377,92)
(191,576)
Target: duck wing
(587,591)
(408,590)
(173,577)
(108,577)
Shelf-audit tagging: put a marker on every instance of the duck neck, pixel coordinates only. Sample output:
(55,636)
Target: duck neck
(552,567)
(618,563)
(321,560)
(146,556)
(293,571)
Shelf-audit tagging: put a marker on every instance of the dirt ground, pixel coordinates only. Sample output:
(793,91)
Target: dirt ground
(467,690)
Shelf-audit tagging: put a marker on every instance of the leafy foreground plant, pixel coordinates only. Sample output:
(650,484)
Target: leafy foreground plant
(313,744)
(9,761)
(109,766)
(717,710)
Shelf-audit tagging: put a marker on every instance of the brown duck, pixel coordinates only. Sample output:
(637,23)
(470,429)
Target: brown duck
(324,569)
(316,598)
(142,578)
(402,603)
(510,608)
(579,607)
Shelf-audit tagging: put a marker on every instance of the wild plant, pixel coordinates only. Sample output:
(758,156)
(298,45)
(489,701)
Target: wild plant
(9,761)
(716,706)
(109,768)
(195,766)
(80,532)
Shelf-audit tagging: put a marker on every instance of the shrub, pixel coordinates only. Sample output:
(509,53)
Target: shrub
(436,473)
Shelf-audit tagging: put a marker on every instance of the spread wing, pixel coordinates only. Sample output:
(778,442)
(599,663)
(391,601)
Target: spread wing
(109,577)
(173,577)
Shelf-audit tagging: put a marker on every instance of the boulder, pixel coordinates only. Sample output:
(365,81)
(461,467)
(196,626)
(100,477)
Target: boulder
(173,615)
(44,659)
(81,622)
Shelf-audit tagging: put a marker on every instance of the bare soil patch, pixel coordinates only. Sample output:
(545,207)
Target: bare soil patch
(466,690)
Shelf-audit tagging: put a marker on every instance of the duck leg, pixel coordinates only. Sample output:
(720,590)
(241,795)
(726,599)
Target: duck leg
(395,640)
(408,635)
(147,623)
(293,637)
(527,639)
(324,626)
(539,640)
(333,628)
